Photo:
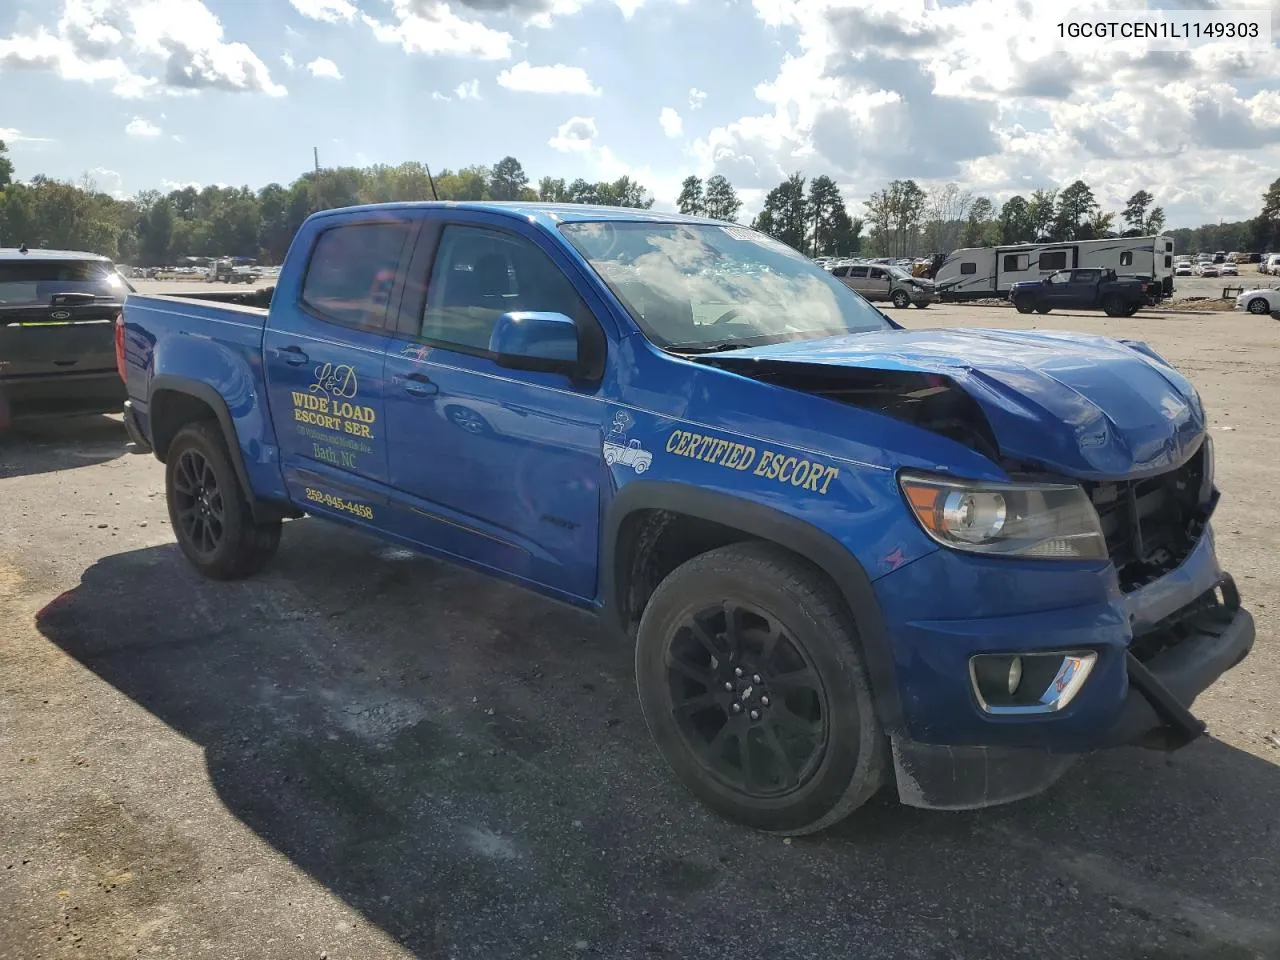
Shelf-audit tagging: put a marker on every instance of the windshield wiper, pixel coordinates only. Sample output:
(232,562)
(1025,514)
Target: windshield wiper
(707,347)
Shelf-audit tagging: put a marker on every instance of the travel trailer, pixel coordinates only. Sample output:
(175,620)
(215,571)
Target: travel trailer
(974,273)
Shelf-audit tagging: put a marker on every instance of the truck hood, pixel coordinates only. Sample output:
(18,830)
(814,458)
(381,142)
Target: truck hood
(1088,407)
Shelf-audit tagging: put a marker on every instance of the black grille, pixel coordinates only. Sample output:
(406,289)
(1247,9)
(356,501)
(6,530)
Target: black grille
(1153,523)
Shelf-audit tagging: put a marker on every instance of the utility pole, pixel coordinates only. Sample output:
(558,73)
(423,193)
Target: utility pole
(316,153)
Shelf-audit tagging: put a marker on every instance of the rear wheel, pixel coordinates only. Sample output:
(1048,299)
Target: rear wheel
(1043,309)
(753,687)
(1133,308)
(208,508)
(1113,306)
(1259,306)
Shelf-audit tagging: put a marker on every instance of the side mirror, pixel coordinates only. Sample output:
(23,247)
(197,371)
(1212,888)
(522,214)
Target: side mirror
(542,342)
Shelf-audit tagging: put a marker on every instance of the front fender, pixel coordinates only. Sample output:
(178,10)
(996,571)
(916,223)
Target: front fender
(764,523)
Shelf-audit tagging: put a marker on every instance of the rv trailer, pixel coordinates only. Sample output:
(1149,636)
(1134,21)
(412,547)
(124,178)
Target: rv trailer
(974,273)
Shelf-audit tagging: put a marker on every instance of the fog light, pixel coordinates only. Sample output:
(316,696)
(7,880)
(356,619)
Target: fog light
(1015,675)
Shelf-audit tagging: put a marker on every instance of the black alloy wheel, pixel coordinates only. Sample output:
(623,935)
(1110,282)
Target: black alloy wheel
(747,700)
(199,507)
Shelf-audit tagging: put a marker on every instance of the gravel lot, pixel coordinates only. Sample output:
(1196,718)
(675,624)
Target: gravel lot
(366,754)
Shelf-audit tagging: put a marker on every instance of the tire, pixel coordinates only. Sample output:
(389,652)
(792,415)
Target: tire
(1024,305)
(901,299)
(922,305)
(1132,309)
(221,540)
(837,763)
(1259,306)
(1113,306)
(1043,309)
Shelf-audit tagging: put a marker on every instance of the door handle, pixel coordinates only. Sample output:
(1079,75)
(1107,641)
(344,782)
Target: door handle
(419,385)
(291,355)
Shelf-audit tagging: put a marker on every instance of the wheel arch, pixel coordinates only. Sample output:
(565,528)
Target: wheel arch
(635,522)
(175,401)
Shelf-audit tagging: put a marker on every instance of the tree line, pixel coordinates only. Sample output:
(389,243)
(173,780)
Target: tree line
(158,229)
(902,219)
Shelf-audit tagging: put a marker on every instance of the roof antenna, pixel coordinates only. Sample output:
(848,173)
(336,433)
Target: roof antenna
(22,248)
(432,180)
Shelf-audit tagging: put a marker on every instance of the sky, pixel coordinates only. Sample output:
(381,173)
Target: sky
(158,94)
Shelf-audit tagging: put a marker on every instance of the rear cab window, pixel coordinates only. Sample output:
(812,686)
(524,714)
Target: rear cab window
(353,271)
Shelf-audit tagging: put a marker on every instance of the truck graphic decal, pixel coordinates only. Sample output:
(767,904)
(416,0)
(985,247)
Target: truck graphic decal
(620,449)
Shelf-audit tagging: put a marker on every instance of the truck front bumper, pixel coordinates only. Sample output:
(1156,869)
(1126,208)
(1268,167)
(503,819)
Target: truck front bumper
(1153,651)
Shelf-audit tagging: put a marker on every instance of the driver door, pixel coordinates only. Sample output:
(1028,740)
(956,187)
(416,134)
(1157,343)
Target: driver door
(878,283)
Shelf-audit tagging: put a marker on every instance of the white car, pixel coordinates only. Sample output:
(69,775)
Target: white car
(1207,269)
(1260,302)
(1183,270)
(1228,269)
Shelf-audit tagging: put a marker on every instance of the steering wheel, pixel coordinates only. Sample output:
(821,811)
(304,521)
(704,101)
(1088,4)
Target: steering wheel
(726,316)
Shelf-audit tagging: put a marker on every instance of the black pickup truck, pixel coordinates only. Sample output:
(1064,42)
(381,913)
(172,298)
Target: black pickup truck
(57,334)
(1085,289)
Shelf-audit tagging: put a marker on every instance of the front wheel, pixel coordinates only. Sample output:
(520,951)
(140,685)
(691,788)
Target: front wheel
(1043,309)
(752,684)
(901,299)
(1259,306)
(1024,304)
(208,508)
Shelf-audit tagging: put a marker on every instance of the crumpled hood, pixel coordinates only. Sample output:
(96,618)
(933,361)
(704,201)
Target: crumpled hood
(1090,407)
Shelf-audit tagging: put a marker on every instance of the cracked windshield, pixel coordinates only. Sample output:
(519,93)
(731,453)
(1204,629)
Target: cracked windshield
(639,480)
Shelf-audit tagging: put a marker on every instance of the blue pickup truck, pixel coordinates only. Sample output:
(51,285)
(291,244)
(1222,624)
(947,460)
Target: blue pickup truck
(845,553)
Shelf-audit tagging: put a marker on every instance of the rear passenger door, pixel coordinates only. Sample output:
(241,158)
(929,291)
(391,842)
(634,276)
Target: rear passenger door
(324,350)
(500,468)
(857,279)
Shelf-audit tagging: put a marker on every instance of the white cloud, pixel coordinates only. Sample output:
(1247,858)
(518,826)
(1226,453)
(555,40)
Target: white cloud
(696,98)
(141,127)
(557,78)
(437,95)
(575,135)
(168,186)
(287,59)
(329,11)
(10,135)
(105,181)
(432,28)
(671,123)
(468,90)
(140,47)
(984,93)
(324,67)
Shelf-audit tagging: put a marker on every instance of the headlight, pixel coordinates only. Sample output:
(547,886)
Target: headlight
(1047,520)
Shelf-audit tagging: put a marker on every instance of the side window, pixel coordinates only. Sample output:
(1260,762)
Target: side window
(1086,276)
(877,274)
(1060,278)
(479,275)
(860,272)
(1016,262)
(840,272)
(353,270)
(1055,260)
(1126,258)
(969,267)
(1168,245)
(1168,261)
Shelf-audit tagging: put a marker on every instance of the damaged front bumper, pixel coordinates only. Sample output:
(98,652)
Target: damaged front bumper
(1150,652)
(1166,669)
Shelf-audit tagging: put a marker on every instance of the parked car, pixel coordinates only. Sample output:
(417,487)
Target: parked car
(1089,289)
(845,553)
(1273,264)
(1183,270)
(891,282)
(57,333)
(1260,301)
(1228,269)
(1207,269)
